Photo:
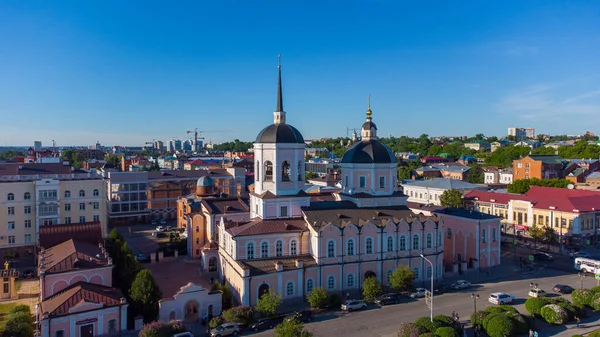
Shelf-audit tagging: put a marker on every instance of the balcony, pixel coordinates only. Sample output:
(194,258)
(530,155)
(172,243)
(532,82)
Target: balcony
(48,213)
(47,198)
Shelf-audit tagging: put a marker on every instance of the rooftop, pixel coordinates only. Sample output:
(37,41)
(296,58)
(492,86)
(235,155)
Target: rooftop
(266,266)
(464,213)
(260,227)
(72,255)
(442,183)
(226,205)
(548,159)
(80,293)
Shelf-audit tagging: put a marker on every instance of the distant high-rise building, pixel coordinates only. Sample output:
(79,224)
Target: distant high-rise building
(37,145)
(521,133)
(530,132)
(187,145)
(159,145)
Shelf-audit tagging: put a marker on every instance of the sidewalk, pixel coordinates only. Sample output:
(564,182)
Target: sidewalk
(507,270)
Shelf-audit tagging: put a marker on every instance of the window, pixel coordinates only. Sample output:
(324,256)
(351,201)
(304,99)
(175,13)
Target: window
(11,211)
(59,333)
(449,233)
(81,193)
(279,248)
(416,271)
(10,197)
(293,247)
(67,207)
(250,251)
(96,218)
(27,196)
(429,272)
(389,276)
(350,281)
(82,206)
(257,173)
(345,181)
(96,193)
(268,171)
(112,326)
(289,289)
(96,205)
(197,229)
(11,239)
(362,182)
(416,243)
(27,209)
(402,243)
(285,171)
(369,246)
(284,211)
(309,286)
(82,219)
(439,243)
(483,233)
(67,194)
(390,244)
(300,164)
(264,250)
(330,282)
(350,247)
(382,182)
(330,248)
(27,238)
(11,225)
(429,240)
(494,234)
(68,220)
(27,223)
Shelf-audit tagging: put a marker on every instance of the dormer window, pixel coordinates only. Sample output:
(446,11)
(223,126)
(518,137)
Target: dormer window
(362,182)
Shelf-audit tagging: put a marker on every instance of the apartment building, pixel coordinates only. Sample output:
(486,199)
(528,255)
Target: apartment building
(502,176)
(35,195)
(479,145)
(538,166)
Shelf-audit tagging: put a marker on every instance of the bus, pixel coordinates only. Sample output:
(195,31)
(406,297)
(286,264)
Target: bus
(587,265)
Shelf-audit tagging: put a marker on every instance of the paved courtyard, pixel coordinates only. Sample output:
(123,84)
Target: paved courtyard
(174,274)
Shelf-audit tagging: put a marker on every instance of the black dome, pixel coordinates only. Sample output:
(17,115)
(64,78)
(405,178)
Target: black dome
(369,126)
(280,133)
(369,152)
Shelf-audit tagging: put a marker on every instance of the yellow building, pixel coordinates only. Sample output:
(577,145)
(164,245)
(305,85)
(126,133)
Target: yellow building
(34,195)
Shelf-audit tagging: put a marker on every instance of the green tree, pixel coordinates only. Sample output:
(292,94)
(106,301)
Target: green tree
(145,295)
(371,288)
(269,303)
(309,175)
(521,186)
(318,298)
(475,175)
(19,322)
(291,328)
(242,314)
(226,296)
(402,278)
(452,198)
(536,233)
(549,235)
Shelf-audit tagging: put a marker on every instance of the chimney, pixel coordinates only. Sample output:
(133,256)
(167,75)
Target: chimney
(279,266)
(299,264)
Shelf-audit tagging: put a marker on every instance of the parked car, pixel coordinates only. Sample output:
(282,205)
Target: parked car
(227,329)
(161,228)
(153,222)
(419,292)
(540,256)
(580,254)
(461,284)
(386,299)
(163,221)
(501,298)
(184,334)
(563,289)
(29,273)
(537,293)
(142,257)
(302,316)
(266,323)
(354,305)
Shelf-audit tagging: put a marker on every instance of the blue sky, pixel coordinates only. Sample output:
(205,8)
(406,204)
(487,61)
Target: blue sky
(127,72)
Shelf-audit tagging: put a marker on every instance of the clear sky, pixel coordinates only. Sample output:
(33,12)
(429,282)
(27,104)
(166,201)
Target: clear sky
(127,72)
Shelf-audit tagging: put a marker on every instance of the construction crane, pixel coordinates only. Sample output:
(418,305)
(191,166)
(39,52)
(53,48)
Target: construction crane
(196,132)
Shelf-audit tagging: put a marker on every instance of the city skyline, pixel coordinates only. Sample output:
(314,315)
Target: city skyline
(83,73)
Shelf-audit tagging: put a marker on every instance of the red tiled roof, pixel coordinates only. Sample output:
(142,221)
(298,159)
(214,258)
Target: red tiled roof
(81,292)
(14,169)
(90,232)
(500,198)
(261,227)
(72,255)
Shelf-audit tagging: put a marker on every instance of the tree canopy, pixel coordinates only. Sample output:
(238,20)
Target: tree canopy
(452,198)
(504,156)
(291,328)
(521,186)
(402,278)
(145,295)
(236,146)
(269,303)
(371,288)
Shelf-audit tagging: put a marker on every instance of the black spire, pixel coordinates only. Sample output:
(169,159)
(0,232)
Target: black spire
(279,91)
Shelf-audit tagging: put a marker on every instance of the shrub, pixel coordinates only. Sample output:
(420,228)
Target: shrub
(446,332)
(215,322)
(447,321)
(500,326)
(555,314)
(158,329)
(477,317)
(20,308)
(582,297)
(595,301)
(577,336)
(317,298)
(243,315)
(371,288)
(596,289)
(427,324)
(501,309)
(335,301)
(571,310)
(427,334)
(486,320)
(534,305)
(410,330)
(521,323)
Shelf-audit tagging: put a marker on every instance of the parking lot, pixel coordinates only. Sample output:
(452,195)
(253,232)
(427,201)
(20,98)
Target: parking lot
(140,238)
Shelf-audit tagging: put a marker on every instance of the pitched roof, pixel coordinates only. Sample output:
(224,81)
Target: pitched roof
(81,292)
(464,213)
(260,227)
(442,183)
(547,159)
(72,255)
(485,196)
(27,169)
(266,266)
(190,174)
(594,175)
(226,205)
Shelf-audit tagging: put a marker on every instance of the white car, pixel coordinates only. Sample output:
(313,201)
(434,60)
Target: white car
(501,298)
(537,293)
(419,292)
(461,284)
(161,228)
(354,305)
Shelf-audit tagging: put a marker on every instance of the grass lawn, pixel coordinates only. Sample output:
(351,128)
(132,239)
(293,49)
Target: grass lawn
(5,308)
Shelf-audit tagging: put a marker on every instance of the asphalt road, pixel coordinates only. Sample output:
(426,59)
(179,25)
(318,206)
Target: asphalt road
(384,321)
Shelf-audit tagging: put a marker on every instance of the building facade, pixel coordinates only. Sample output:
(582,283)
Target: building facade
(538,166)
(430,191)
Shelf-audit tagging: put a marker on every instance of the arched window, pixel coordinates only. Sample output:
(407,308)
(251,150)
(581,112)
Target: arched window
(417,276)
(300,169)
(330,282)
(369,246)
(279,248)
(257,173)
(390,244)
(197,229)
(96,193)
(10,197)
(67,194)
(309,286)
(197,241)
(27,196)
(429,239)
(350,247)
(285,171)
(294,247)
(250,251)
(350,281)
(439,243)
(416,243)
(429,271)
(402,243)
(389,276)
(264,250)
(330,248)
(289,289)
(81,193)
(268,171)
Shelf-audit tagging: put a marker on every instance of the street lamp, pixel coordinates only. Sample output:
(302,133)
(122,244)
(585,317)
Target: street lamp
(475,298)
(431,292)
(582,277)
